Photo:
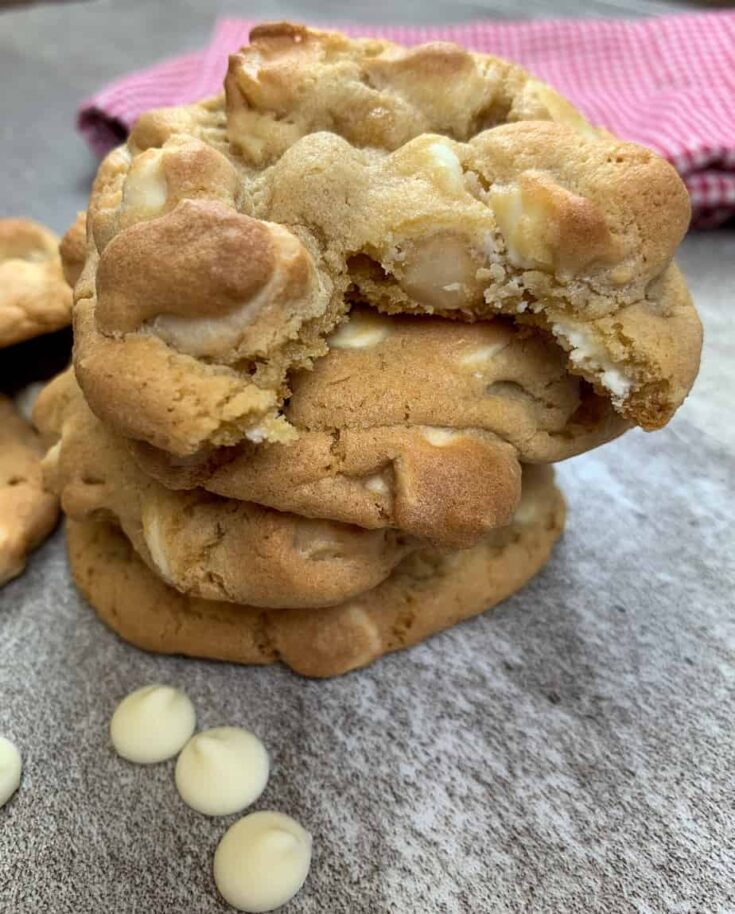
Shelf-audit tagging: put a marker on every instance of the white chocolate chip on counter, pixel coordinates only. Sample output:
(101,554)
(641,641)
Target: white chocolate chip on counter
(262,861)
(221,771)
(152,724)
(10,769)
(360,331)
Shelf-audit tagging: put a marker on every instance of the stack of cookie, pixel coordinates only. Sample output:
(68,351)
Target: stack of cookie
(332,329)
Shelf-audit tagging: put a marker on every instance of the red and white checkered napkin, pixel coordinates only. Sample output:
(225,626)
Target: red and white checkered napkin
(666,82)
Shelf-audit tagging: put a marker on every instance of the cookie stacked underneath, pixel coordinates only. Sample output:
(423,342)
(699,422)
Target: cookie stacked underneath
(332,329)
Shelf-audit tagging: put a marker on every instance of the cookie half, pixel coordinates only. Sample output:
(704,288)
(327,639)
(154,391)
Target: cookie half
(429,591)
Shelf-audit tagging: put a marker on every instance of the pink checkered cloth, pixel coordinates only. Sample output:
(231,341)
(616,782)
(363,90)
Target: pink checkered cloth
(666,82)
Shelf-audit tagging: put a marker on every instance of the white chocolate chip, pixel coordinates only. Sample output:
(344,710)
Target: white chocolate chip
(211,337)
(484,355)
(365,641)
(155,539)
(262,861)
(377,484)
(589,355)
(10,769)
(257,433)
(152,724)
(361,331)
(448,165)
(526,512)
(440,437)
(521,219)
(145,190)
(53,454)
(221,771)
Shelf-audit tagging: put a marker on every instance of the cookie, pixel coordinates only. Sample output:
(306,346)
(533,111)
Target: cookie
(34,299)
(580,226)
(292,81)
(27,513)
(532,220)
(429,591)
(239,300)
(411,422)
(202,544)
(227,239)
(73,249)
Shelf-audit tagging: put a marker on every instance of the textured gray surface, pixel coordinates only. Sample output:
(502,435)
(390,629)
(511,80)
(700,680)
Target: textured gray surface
(574,753)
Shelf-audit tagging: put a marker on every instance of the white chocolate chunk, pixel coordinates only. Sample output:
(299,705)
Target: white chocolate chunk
(589,355)
(526,512)
(262,861)
(221,771)
(10,769)
(440,437)
(448,165)
(377,484)
(361,331)
(145,191)
(213,337)
(152,724)
(484,355)
(51,459)
(155,540)
(364,632)
(521,219)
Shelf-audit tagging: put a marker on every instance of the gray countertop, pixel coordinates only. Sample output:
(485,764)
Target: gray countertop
(571,753)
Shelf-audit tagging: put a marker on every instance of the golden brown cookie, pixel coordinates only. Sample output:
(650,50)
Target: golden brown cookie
(202,544)
(580,226)
(411,422)
(27,513)
(34,299)
(207,305)
(73,249)
(428,592)
(292,81)
(228,238)
(574,234)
